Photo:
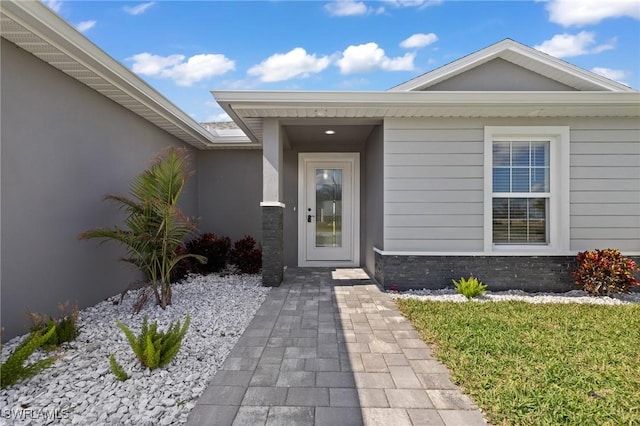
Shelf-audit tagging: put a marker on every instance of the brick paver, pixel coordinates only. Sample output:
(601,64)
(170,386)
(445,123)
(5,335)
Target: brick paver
(325,351)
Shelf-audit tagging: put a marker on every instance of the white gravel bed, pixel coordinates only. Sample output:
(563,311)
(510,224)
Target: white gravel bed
(80,389)
(574,296)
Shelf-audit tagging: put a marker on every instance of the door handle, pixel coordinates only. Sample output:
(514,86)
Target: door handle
(309,216)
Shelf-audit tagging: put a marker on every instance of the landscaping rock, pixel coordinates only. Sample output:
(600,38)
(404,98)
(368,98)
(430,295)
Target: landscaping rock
(81,381)
(573,296)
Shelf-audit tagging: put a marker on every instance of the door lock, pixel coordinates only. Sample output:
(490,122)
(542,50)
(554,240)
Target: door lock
(309,216)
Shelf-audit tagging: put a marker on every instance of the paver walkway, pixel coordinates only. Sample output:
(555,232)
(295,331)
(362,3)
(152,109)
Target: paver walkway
(324,351)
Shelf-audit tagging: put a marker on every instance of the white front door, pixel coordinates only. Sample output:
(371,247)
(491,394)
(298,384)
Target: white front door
(329,209)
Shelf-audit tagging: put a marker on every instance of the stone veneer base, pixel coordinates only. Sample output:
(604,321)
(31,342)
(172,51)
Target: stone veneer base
(528,273)
(272,246)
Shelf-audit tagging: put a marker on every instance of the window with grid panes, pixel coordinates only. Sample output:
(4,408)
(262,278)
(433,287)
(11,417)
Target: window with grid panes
(521,191)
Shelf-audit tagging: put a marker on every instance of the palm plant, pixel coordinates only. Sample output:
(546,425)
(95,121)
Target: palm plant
(155,226)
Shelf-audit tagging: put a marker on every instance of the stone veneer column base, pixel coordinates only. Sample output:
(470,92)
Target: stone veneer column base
(272,246)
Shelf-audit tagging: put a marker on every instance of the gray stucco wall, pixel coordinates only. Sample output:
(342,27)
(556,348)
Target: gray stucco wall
(64,146)
(374,193)
(230,191)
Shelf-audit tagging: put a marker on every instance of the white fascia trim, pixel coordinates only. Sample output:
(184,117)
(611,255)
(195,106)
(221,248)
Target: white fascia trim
(495,51)
(452,69)
(44,23)
(272,204)
(474,253)
(575,71)
(483,254)
(273,103)
(232,101)
(228,108)
(230,138)
(232,145)
(231,134)
(227,136)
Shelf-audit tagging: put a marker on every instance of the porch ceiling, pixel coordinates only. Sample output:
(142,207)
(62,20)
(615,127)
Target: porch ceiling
(316,132)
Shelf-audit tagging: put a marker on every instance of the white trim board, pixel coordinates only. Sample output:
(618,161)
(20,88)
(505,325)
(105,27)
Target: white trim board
(559,208)
(483,254)
(272,204)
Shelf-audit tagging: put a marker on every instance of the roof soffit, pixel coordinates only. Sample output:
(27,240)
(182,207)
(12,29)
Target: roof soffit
(36,29)
(248,108)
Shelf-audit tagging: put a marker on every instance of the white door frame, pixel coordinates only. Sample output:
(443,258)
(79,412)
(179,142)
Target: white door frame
(354,159)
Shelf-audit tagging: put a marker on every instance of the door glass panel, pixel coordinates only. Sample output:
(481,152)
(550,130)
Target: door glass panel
(328,207)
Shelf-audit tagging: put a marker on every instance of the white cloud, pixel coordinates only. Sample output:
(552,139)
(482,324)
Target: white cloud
(355,8)
(568,45)
(369,56)
(85,26)
(585,12)
(199,67)
(184,73)
(413,3)
(346,8)
(218,118)
(607,46)
(417,41)
(616,75)
(152,65)
(54,5)
(284,66)
(139,9)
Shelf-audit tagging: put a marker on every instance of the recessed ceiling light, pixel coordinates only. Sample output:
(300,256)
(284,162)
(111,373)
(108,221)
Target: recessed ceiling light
(329,132)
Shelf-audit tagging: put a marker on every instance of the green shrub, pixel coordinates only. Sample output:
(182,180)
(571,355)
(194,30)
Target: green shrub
(117,369)
(604,272)
(13,369)
(156,348)
(65,325)
(470,287)
(155,226)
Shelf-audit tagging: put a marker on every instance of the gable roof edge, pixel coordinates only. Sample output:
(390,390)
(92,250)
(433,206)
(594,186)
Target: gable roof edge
(501,50)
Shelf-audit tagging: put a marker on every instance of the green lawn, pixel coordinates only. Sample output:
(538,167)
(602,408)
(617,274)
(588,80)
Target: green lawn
(545,364)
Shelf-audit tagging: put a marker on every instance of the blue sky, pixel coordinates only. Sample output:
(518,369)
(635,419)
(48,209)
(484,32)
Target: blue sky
(185,49)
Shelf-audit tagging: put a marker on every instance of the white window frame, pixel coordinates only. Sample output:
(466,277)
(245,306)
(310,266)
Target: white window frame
(558,207)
